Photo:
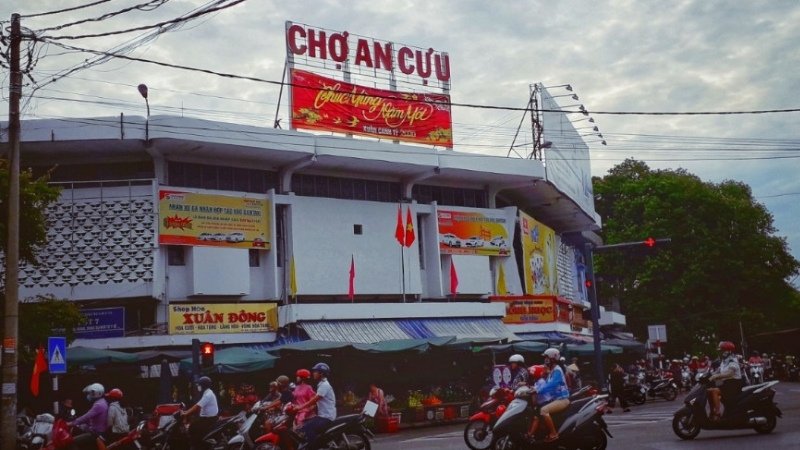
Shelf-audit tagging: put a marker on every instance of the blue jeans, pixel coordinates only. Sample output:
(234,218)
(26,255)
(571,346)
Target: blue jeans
(313,428)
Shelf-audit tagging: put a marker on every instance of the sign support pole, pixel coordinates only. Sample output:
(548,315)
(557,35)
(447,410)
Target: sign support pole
(591,293)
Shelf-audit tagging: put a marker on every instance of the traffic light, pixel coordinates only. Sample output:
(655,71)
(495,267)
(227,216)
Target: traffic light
(207,354)
(650,242)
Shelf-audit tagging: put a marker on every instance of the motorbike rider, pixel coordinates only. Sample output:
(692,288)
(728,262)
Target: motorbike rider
(301,394)
(755,358)
(117,419)
(325,399)
(95,420)
(557,387)
(538,375)
(519,374)
(207,409)
(730,373)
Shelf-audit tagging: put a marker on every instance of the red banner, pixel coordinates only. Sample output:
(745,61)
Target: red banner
(325,104)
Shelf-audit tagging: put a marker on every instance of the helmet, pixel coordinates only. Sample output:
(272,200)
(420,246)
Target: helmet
(94,391)
(765,355)
(552,353)
(755,353)
(695,358)
(204,382)
(536,371)
(516,359)
(303,373)
(283,381)
(114,394)
(322,368)
(726,346)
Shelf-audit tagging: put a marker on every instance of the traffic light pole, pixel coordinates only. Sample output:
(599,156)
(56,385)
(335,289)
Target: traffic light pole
(195,367)
(592,294)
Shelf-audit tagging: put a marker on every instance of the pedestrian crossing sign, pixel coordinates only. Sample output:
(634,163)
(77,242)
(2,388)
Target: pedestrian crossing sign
(57,354)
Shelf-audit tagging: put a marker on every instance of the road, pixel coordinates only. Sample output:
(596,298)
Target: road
(646,427)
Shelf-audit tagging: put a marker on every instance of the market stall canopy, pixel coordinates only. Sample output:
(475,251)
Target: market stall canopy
(626,344)
(370,331)
(400,345)
(235,360)
(84,356)
(156,356)
(516,347)
(588,349)
(311,345)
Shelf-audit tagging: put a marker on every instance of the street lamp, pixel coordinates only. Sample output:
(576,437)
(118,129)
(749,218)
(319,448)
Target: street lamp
(565,86)
(573,96)
(580,107)
(143,91)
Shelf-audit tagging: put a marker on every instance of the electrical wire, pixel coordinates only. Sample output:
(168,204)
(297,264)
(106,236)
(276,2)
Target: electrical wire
(65,10)
(149,6)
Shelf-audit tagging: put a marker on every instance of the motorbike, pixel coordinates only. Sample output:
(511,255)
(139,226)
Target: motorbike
(752,408)
(38,434)
(635,392)
(248,431)
(345,432)
(581,425)
(163,430)
(686,378)
(478,433)
(756,373)
(223,431)
(663,387)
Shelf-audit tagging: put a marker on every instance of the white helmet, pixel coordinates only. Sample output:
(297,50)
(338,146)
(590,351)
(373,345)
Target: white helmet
(94,391)
(552,353)
(517,359)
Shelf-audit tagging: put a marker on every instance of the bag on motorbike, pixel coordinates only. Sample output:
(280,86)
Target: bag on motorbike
(62,437)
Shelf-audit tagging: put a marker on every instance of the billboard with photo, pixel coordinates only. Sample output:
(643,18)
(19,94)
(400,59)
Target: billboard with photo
(475,232)
(188,218)
(539,256)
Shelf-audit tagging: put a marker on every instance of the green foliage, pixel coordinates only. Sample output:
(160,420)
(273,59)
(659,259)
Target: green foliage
(35,196)
(44,316)
(725,264)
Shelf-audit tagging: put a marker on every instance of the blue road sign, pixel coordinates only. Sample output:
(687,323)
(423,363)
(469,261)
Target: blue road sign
(57,354)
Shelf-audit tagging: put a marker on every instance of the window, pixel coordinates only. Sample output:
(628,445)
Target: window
(358,229)
(255,257)
(176,255)
(221,177)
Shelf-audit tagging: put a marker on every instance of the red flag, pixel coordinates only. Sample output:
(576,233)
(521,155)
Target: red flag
(352,292)
(409,229)
(453,279)
(38,367)
(399,233)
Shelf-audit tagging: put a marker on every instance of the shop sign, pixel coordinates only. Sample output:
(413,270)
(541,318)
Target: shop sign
(188,218)
(539,257)
(101,323)
(525,309)
(473,232)
(222,318)
(357,53)
(578,322)
(325,104)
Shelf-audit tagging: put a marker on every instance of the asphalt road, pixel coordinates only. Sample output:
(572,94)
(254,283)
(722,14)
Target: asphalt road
(648,426)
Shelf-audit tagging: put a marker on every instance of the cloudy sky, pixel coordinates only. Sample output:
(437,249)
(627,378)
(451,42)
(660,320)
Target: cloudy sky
(635,56)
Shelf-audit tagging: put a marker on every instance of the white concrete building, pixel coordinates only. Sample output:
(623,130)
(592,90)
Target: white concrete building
(331,202)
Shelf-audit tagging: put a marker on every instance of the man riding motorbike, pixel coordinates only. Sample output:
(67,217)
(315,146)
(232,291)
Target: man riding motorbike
(519,374)
(730,373)
(325,399)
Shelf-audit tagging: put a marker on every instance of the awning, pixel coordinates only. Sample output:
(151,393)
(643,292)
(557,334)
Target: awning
(371,331)
(555,337)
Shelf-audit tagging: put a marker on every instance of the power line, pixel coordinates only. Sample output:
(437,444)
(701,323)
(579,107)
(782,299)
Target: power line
(149,6)
(65,10)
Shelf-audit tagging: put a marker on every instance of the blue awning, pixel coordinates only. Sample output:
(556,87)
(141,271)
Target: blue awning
(379,330)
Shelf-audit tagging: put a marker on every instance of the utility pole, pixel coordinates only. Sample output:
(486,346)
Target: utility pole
(8,432)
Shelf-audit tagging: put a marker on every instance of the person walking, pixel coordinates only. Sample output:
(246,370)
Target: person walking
(616,386)
(207,409)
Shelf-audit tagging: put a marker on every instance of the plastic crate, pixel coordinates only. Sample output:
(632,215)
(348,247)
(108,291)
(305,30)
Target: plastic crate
(387,425)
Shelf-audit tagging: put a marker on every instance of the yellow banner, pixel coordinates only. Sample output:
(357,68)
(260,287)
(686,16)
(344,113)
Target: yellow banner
(222,318)
(522,309)
(187,218)
(539,256)
(473,232)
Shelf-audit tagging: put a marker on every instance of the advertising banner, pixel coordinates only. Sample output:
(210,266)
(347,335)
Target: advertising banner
(473,232)
(188,218)
(325,104)
(539,256)
(535,309)
(222,318)
(101,323)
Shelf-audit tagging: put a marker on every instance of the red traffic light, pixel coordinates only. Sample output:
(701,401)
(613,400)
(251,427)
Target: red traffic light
(588,283)
(207,349)
(207,354)
(650,242)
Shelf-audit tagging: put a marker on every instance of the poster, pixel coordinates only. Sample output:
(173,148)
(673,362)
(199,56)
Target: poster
(196,318)
(524,309)
(101,323)
(473,232)
(187,218)
(326,104)
(539,257)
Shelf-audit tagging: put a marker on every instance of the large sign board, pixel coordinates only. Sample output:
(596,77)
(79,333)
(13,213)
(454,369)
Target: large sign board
(342,50)
(539,257)
(476,232)
(197,318)
(567,161)
(535,309)
(102,323)
(325,104)
(657,333)
(187,218)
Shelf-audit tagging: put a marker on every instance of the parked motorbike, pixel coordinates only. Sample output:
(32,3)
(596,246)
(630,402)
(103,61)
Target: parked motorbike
(478,433)
(163,430)
(635,393)
(38,435)
(581,425)
(753,408)
(663,387)
(686,378)
(348,432)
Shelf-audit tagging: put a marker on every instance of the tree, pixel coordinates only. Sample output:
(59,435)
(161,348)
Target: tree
(44,316)
(725,264)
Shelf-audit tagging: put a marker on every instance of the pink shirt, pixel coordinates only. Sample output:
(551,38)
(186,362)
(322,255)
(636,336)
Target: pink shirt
(303,393)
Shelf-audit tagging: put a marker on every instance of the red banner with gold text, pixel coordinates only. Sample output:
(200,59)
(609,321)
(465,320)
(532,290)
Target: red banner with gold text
(325,104)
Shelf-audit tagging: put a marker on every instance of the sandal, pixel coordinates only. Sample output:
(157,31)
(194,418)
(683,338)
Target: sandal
(551,438)
(715,417)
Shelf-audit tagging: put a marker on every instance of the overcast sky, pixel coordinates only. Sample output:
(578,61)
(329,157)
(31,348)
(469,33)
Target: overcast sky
(618,55)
